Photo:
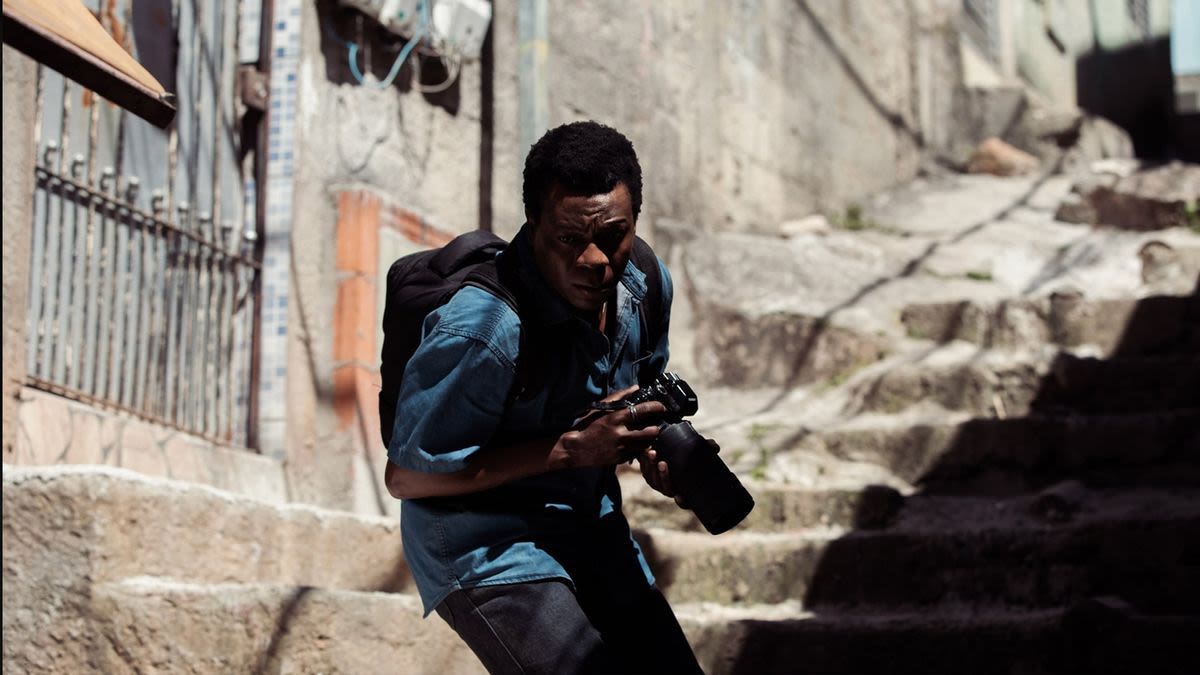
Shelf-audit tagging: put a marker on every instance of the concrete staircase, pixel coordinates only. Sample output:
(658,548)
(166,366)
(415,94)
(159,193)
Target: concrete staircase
(1061,537)
(109,571)
(1040,508)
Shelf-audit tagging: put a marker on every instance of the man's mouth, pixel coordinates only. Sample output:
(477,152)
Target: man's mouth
(592,289)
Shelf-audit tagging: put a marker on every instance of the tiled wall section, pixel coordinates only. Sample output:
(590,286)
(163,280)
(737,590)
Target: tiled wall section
(370,235)
(277,258)
(56,430)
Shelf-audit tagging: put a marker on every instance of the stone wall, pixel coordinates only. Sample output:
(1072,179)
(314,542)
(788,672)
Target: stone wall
(19,93)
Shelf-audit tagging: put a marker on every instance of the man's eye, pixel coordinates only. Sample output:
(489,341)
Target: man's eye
(569,239)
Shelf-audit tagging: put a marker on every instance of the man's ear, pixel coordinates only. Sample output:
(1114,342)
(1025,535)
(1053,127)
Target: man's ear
(530,219)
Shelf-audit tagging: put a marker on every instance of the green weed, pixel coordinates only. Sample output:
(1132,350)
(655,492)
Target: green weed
(1191,212)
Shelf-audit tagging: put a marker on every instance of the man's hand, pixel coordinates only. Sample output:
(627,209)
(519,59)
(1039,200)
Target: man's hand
(608,439)
(658,474)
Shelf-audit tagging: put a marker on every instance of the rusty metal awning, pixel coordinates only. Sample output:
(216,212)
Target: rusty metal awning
(65,36)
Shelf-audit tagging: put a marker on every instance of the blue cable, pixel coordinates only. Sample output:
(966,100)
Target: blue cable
(404,52)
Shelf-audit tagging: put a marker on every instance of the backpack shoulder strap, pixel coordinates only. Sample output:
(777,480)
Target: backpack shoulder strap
(652,304)
(500,278)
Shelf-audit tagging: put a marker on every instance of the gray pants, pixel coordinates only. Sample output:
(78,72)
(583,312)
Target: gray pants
(543,627)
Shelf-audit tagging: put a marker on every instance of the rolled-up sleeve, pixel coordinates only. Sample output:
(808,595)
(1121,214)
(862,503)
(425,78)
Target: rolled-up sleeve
(451,401)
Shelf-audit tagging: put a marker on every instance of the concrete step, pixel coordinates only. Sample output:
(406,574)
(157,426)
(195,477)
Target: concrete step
(1120,385)
(1157,325)
(947,640)
(109,524)
(1012,388)
(1042,550)
(154,624)
(735,567)
(1045,550)
(1015,455)
(777,507)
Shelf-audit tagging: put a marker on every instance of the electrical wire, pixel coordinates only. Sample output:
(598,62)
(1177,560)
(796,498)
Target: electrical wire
(453,67)
(352,46)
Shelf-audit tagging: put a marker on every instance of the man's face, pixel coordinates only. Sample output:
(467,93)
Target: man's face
(582,243)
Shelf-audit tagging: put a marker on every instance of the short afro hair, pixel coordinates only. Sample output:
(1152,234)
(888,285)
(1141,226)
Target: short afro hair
(585,158)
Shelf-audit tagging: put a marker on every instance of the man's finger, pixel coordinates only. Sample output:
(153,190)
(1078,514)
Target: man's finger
(649,472)
(645,435)
(664,473)
(618,395)
(644,414)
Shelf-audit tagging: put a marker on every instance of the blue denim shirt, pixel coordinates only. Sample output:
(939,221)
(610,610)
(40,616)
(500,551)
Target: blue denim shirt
(564,524)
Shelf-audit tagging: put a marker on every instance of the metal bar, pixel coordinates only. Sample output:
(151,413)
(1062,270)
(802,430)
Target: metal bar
(72,338)
(83,365)
(62,285)
(107,294)
(131,300)
(48,289)
(37,275)
(211,320)
(183,272)
(221,358)
(111,201)
(54,252)
(41,203)
(92,306)
(146,283)
(194,333)
(201,357)
(120,272)
(158,319)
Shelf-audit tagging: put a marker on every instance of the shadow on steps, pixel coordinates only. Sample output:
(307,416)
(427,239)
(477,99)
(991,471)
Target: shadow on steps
(1066,540)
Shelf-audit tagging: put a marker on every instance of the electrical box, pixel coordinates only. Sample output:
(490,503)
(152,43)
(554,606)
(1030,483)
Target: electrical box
(459,26)
(401,16)
(398,16)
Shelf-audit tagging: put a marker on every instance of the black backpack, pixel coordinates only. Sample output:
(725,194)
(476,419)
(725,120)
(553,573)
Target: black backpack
(419,283)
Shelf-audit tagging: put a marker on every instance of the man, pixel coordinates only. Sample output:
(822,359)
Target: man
(511,519)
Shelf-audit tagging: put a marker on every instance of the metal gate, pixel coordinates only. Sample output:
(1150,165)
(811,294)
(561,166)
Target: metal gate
(144,272)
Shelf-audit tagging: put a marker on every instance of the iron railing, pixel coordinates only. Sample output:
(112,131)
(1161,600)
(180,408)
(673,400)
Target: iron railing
(147,303)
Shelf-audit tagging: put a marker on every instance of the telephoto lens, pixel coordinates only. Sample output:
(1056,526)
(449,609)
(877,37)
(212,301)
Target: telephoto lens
(707,486)
(702,481)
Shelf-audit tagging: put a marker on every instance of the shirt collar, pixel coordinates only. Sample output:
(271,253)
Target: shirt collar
(548,307)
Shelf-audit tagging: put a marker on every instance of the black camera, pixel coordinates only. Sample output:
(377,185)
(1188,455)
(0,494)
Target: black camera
(698,474)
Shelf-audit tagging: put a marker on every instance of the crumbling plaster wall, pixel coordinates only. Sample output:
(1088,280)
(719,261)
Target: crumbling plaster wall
(744,115)
(418,152)
(748,114)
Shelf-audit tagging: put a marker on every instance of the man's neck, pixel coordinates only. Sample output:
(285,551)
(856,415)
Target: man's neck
(603,319)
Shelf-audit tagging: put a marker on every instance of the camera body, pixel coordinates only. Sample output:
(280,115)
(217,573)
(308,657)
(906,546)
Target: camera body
(699,476)
(672,391)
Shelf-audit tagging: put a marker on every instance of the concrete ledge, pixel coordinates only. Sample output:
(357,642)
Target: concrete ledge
(56,430)
(106,524)
(234,628)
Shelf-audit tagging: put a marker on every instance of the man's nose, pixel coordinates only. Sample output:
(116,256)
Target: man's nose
(592,256)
